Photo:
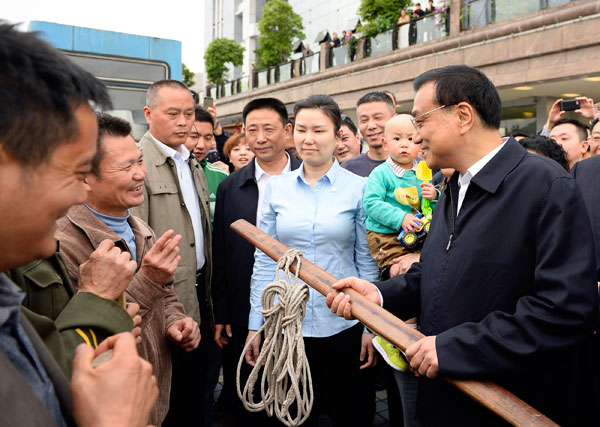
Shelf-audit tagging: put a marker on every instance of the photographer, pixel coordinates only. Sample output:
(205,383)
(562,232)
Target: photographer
(572,135)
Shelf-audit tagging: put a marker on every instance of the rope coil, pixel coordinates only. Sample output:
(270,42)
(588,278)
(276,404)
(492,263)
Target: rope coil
(286,381)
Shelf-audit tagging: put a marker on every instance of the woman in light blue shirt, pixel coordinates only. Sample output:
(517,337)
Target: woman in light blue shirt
(318,210)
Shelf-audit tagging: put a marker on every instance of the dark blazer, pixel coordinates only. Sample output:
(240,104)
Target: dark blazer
(587,175)
(19,406)
(233,257)
(508,287)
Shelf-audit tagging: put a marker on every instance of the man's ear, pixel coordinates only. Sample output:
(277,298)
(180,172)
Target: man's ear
(466,117)
(585,146)
(288,129)
(148,114)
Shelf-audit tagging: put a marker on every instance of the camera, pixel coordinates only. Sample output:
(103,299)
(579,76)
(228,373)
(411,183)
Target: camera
(570,105)
(208,102)
(213,156)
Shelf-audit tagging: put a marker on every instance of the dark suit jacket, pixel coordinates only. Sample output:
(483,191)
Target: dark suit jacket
(587,175)
(19,406)
(233,257)
(508,287)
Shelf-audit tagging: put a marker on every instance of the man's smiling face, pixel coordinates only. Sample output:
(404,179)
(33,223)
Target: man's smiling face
(372,117)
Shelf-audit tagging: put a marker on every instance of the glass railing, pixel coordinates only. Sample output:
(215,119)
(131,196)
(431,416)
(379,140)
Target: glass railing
(311,64)
(403,36)
(285,71)
(477,13)
(339,55)
(263,78)
(431,27)
(383,42)
(243,84)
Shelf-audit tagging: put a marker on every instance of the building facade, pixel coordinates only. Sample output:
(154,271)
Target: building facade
(238,20)
(535,51)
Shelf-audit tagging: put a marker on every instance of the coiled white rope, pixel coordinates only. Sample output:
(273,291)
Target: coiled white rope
(286,376)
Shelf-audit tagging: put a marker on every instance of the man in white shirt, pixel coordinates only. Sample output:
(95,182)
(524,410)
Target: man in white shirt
(176,197)
(239,196)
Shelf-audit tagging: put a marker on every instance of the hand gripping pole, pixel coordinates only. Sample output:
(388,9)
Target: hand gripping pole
(490,395)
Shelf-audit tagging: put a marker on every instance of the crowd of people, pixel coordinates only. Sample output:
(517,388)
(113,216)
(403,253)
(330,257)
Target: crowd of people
(124,291)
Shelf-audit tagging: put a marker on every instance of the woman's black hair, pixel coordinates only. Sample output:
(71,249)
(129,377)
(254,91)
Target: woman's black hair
(326,104)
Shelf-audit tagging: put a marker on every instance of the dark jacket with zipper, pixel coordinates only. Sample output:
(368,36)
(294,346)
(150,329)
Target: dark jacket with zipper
(233,256)
(508,287)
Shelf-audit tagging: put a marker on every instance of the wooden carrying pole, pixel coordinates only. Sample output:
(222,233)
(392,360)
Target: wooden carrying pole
(385,324)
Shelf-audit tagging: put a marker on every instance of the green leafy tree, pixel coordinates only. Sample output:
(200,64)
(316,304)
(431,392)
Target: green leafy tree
(219,53)
(278,27)
(379,15)
(188,76)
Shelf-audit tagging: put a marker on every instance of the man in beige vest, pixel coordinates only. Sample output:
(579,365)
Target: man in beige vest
(176,197)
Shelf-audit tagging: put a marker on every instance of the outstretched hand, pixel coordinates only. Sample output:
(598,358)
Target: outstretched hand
(161,261)
(341,304)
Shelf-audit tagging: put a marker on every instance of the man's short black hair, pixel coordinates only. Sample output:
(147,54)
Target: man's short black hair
(107,126)
(40,88)
(593,124)
(546,147)
(347,121)
(202,115)
(461,83)
(377,96)
(517,134)
(582,130)
(266,104)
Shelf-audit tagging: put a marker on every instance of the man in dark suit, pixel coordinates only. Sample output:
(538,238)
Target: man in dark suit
(587,175)
(506,285)
(47,141)
(267,128)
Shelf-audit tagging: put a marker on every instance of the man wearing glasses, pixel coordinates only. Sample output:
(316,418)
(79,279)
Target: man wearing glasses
(506,286)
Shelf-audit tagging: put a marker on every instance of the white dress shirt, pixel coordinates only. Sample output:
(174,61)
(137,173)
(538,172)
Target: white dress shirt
(190,195)
(262,178)
(465,180)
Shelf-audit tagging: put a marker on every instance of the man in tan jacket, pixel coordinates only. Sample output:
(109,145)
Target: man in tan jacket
(116,180)
(177,198)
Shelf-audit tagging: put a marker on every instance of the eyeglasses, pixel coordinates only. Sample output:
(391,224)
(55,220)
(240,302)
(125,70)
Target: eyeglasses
(419,125)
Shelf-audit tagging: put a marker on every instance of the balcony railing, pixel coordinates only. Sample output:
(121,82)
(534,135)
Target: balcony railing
(475,13)
(478,13)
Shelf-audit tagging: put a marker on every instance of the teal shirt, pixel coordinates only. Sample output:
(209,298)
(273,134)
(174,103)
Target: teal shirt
(214,176)
(383,193)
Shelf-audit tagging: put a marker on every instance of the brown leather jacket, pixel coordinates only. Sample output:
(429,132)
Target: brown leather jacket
(80,232)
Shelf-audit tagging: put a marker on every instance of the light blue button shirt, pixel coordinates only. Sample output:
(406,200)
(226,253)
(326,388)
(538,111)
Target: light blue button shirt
(190,195)
(327,224)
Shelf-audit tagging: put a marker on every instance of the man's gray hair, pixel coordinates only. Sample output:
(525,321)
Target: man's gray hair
(152,92)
